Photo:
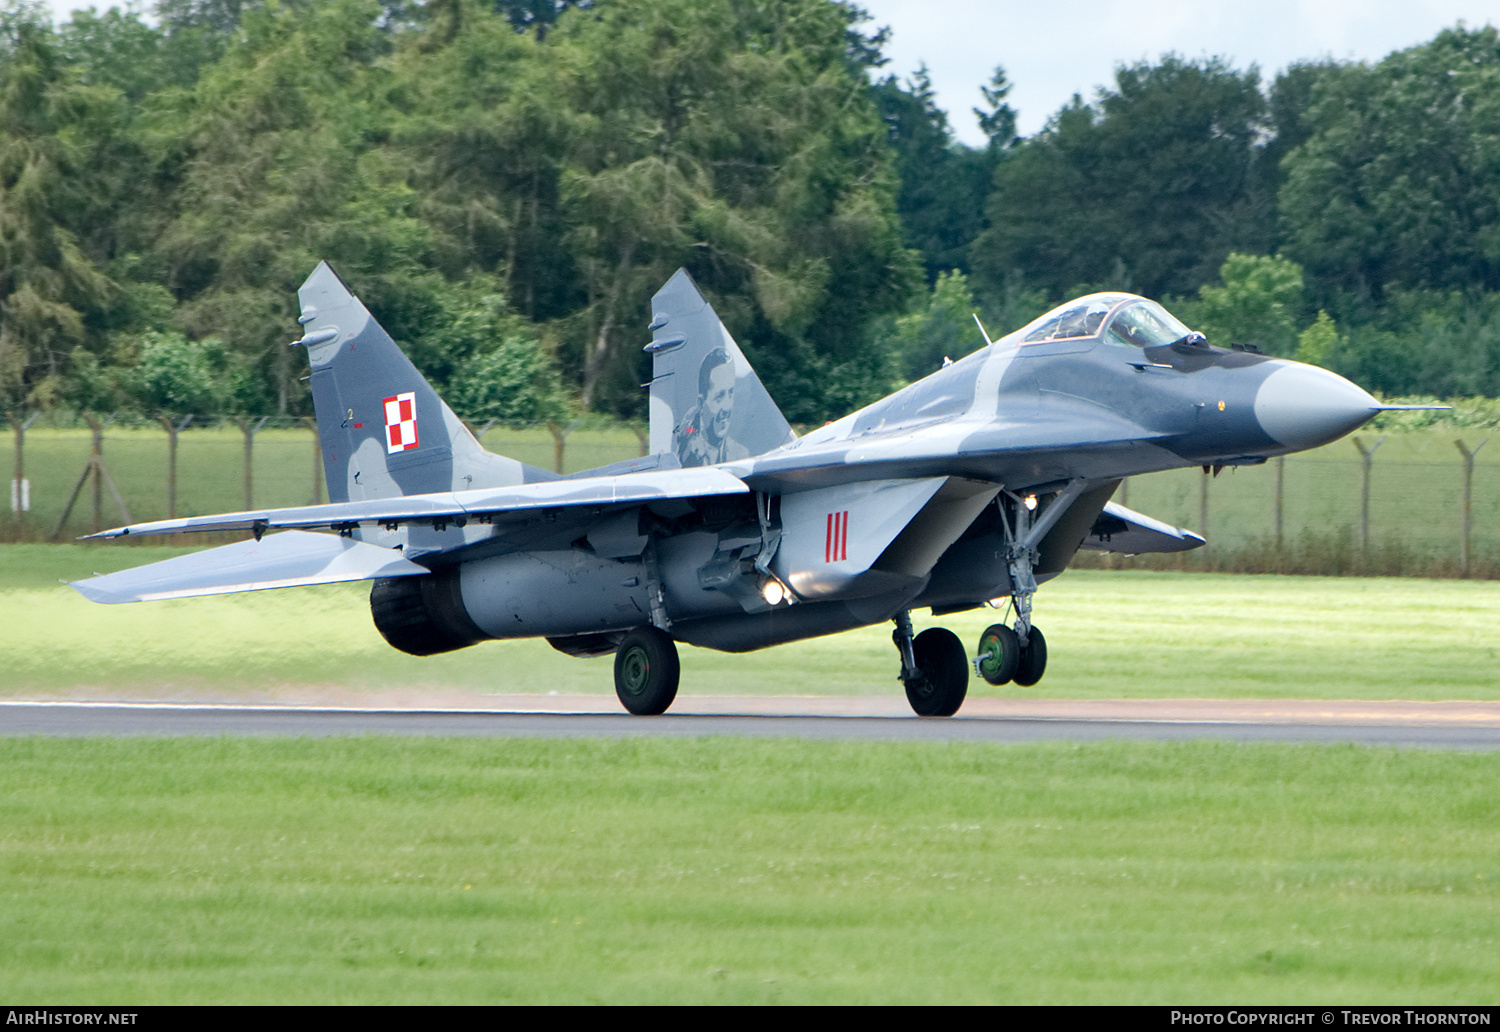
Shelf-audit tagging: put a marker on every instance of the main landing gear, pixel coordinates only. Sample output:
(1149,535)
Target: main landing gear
(647,671)
(934,668)
(1020,655)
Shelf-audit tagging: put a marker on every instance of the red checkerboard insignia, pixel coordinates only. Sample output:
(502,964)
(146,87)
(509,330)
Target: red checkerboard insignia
(400,422)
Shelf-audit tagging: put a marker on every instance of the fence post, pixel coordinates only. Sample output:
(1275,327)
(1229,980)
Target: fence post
(559,441)
(96,459)
(1367,458)
(249,432)
(1203,508)
(172,431)
(94,465)
(20,500)
(1464,554)
(1280,483)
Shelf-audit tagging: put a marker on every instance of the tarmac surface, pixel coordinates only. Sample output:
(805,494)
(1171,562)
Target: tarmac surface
(1448,725)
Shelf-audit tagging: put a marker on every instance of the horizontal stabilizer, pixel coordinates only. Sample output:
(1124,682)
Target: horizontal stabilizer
(1119,529)
(453,506)
(284,560)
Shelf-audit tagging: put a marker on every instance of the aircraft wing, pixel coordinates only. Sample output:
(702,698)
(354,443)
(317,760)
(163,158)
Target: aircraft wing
(276,561)
(456,506)
(1119,529)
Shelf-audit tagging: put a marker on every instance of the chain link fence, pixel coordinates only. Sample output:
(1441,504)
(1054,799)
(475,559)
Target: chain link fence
(75,477)
(1405,502)
(1423,502)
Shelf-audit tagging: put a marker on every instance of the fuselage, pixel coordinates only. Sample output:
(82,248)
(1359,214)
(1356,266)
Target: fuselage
(1024,415)
(1030,413)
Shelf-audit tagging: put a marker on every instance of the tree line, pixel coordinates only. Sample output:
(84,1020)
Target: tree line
(506,182)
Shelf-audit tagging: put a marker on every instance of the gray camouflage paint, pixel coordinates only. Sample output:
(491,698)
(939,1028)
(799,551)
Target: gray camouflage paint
(688,345)
(686,542)
(289,559)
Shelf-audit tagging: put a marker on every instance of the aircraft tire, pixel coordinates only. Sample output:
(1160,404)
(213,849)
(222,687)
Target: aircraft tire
(944,681)
(646,671)
(1004,650)
(1033,662)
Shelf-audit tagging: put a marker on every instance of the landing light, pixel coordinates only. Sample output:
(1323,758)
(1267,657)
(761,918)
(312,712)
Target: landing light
(772,591)
(1031,503)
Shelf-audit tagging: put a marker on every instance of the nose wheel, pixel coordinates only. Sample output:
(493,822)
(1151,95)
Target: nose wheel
(1032,662)
(1002,658)
(999,654)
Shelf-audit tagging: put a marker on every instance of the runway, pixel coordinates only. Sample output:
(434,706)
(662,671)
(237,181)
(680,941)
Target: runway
(1444,725)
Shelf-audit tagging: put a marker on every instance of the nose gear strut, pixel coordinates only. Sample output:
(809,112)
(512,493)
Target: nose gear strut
(1025,528)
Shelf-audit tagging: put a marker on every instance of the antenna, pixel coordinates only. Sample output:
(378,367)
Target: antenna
(982,330)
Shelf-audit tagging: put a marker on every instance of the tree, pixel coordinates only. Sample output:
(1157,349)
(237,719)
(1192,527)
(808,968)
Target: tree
(942,183)
(55,134)
(168,374)
(943,328)
(485,132)
(1396,185)
(1317,343)
(1149,188)
(738,141)
(997,119)
(275,165)
(1259,303)
(1425,342)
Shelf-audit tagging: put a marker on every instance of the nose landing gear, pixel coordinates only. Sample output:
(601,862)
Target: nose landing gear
(1002,658)
(1020,655)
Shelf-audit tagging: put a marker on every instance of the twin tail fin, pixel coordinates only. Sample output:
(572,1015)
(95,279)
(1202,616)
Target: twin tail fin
(384,431)
(707,404)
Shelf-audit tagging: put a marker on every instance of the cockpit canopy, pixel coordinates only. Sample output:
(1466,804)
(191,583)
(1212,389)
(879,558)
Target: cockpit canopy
(1115,318)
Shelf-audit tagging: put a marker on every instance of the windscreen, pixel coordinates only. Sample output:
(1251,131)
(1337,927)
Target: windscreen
(1144,324)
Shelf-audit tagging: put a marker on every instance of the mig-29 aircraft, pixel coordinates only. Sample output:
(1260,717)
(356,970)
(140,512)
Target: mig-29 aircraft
(970,487)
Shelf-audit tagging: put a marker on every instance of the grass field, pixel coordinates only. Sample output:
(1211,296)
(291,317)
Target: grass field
(441,871)
(1111,634)
(1415,519)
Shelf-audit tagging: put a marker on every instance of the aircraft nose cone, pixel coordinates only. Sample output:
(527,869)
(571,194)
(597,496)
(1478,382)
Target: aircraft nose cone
(1303,406)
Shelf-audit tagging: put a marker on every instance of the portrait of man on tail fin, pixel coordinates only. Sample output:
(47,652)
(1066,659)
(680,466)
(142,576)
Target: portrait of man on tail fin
(702,438)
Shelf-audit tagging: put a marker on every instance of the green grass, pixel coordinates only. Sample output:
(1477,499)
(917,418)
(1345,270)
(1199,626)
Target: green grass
(1111,634)
(422,871)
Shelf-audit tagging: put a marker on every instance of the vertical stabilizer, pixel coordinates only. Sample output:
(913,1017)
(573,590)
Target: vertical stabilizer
(707,404)
(384,431)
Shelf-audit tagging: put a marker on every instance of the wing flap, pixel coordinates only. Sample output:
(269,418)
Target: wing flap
(1119,529)
(290,559)
(656,485)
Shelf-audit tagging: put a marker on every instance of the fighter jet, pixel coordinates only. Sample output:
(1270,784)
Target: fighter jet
(968,488)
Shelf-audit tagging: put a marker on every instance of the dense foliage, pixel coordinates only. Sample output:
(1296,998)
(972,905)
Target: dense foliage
(506,182)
